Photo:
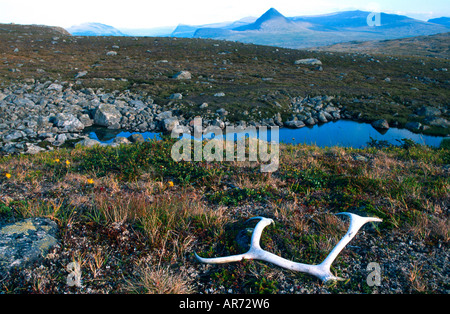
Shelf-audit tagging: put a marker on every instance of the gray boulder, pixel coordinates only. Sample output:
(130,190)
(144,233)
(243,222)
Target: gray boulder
(310,121)
(183,75)
(413,126)
(328,116)
(136,138)
(55,86)
(81,74)
(218,123)
(13,135)
(60,139)
(23,102)
(336,115)
(164,115)
(278,120)
(222,112)
(88,142)
(120,140)
(321,117)
(34,149)
(138,104)
(294,124)
(439,122)
(309,61)
(85,119)
(176,96)
(12,148)
(360,158)
(380,124)
(169,124)
(43,122)
(428,111)
(68,122)
(330,109)
(107,115)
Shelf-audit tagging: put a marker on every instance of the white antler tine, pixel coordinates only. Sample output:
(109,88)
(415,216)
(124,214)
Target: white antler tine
(257,231)
(220,260)
(356,222)
(250,254)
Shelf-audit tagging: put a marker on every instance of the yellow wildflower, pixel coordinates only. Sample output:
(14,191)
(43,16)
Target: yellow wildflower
(7,175)
(90,181)
(67,162)
(56,160)
(170,184)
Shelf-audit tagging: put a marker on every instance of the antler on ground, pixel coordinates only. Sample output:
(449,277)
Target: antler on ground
(322,270)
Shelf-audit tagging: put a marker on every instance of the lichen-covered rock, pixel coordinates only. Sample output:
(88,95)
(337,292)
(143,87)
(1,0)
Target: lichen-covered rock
(183,75)
(68,122)
(136,138)
(310,61)
(169,124)
(88,142)
(107,115)
(25,241)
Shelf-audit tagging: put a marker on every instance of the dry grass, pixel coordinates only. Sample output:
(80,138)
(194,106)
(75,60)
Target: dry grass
(415,277)
(423,226)
(165,219)
(97,259)
(158,279)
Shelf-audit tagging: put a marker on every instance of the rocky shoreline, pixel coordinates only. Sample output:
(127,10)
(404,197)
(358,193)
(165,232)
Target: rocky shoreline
(36,116)
(44,116)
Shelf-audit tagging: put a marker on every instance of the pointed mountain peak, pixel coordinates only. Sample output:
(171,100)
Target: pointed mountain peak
(271,19)
(270,14)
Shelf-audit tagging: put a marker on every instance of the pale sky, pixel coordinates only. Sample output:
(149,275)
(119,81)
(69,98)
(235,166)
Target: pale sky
(151,13)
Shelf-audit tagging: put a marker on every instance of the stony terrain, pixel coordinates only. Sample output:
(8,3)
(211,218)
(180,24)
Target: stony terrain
(41,116)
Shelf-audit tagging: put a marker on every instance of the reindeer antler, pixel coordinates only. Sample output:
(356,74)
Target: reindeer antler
(321,270)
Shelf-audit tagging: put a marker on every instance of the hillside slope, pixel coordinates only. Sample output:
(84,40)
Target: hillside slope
(257,82)
(94,29)
(424,46)
(31,30)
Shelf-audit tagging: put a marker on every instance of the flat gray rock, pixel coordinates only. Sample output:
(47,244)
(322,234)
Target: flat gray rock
(26,241)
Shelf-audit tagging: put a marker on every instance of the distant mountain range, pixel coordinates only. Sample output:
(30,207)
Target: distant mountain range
(441,20)
(274,29)
(94,29)
(188,31)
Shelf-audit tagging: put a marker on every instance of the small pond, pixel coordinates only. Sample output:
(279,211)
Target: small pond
(338,133)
